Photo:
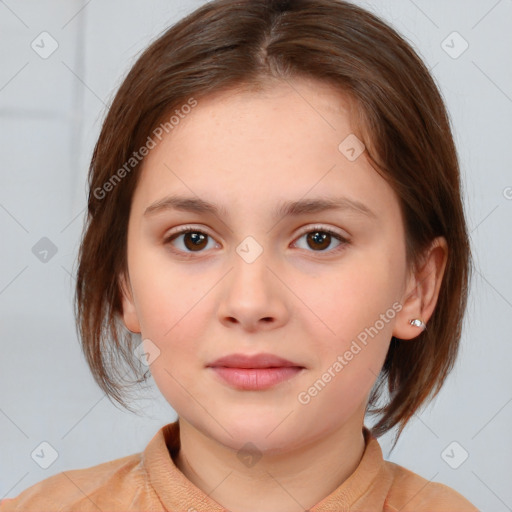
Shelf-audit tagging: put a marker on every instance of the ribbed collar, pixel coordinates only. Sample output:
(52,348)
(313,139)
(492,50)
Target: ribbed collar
(177,492)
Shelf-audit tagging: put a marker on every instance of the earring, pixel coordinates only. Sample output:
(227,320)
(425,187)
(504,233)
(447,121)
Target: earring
(418,323)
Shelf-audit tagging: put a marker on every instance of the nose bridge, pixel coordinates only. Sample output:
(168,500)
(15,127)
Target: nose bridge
(250,261)
(251,291)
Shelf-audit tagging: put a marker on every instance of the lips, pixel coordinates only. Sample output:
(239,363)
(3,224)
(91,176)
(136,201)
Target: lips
(254,373)
(253,361)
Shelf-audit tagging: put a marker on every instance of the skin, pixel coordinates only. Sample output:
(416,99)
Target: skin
(306,302)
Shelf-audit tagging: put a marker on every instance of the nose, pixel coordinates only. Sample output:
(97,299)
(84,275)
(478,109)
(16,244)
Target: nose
(252,296)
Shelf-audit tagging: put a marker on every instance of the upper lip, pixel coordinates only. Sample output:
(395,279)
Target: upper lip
(254,361)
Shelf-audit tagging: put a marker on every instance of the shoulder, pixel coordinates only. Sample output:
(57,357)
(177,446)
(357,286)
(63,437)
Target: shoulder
(83,489)
(411,492)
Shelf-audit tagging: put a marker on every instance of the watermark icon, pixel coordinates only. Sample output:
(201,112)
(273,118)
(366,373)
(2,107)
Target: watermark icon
(44,45)
(138,156)
(454,455)
(249,249)
(351,147)
(146,352)
(454,45)
(44,454)
(507,193)
(304,397)
(44,250)
(249,454)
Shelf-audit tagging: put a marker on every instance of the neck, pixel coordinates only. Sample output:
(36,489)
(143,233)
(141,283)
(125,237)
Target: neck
(286,481)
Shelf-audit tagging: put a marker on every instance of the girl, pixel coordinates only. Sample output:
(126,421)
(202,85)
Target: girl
(275,228)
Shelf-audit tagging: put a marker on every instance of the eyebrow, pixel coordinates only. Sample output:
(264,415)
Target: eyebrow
(285,209)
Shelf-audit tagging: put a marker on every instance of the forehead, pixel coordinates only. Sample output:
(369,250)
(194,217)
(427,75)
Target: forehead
(282,142)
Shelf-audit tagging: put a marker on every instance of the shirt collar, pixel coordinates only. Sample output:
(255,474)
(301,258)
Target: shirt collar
(177,492)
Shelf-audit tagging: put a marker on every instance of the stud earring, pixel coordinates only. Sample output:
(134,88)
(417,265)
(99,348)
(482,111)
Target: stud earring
(418,323)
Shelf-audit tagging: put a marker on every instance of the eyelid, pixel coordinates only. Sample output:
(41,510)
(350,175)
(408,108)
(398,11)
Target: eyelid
(320,227)
(190,227)
(186,228)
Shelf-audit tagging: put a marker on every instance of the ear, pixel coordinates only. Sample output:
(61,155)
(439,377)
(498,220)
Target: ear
(130,317)
(422,290)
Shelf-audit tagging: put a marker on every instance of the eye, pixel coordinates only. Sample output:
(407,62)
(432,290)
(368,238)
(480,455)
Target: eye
(319,238)
(194,240)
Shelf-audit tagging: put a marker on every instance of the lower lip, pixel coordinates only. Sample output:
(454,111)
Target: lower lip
(256,378)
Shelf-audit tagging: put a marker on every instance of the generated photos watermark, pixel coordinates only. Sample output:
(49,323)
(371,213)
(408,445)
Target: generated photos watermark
(304,397)
(137,156)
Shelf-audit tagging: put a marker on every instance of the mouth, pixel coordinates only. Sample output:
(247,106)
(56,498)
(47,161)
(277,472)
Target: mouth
(256,372)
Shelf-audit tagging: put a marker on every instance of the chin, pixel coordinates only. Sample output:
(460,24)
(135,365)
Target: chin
(268,434)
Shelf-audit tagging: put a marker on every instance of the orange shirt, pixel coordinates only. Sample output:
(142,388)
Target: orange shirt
(150,481)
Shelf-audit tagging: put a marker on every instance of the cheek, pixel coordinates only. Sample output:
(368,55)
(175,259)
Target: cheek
(174,320)
(167,294)
(353,305)
(174,317)
(354,293)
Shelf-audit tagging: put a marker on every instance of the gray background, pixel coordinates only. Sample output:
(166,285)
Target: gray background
(51,111)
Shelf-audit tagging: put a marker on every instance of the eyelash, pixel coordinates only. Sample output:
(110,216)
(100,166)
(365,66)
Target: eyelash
(190,229)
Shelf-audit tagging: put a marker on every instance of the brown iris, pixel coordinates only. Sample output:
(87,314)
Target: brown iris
(319,237)
(197,240)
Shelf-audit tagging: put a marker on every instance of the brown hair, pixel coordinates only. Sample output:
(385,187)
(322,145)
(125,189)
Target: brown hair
(403,123)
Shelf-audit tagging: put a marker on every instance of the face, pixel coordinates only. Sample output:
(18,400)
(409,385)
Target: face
(321,288)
